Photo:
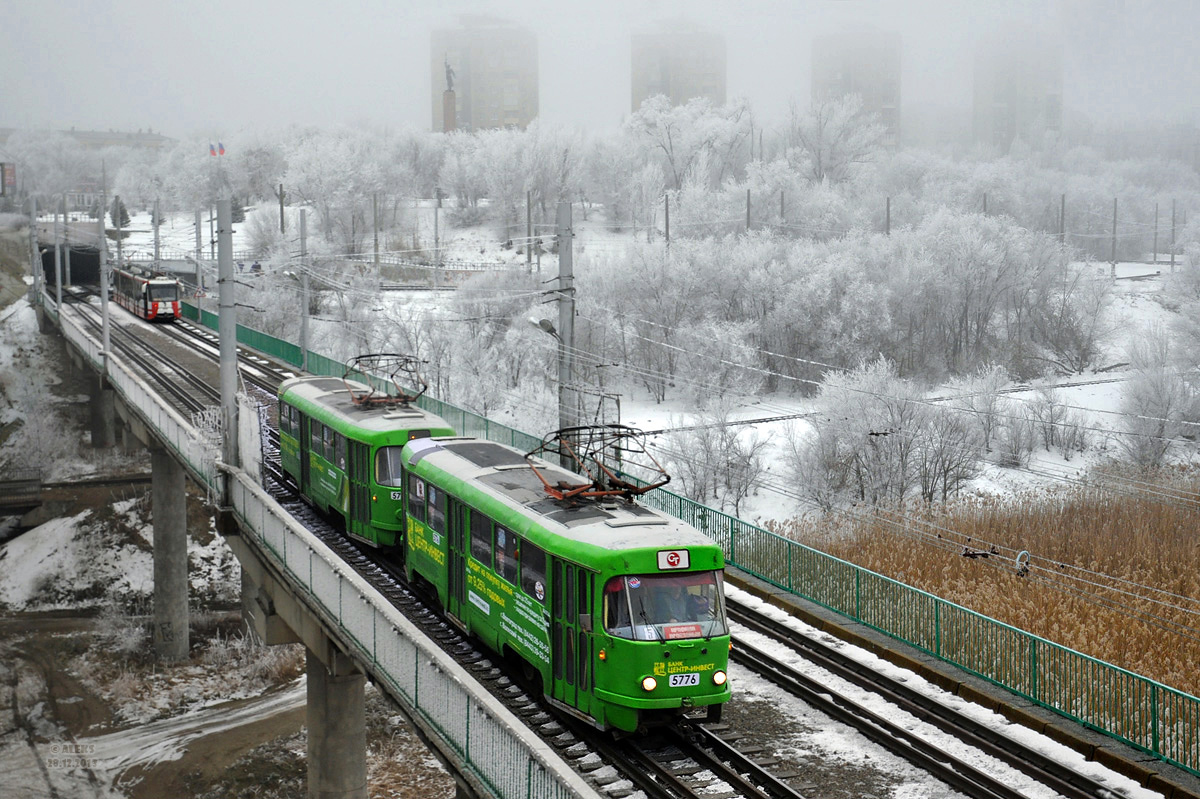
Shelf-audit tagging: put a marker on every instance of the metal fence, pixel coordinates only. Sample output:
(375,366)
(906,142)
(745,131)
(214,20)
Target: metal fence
(1153,717)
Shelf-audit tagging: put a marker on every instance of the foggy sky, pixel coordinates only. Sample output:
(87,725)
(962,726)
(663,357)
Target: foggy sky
(222,67)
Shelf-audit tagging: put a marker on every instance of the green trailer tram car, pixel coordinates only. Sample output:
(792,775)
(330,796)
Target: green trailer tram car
(344,452)
(617,609)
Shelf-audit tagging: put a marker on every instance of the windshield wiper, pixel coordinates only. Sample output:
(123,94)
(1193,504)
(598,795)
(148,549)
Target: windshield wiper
(646,619)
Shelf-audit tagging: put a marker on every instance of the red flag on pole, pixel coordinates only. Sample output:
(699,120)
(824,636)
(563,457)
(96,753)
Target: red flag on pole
(212,150)
(220,148)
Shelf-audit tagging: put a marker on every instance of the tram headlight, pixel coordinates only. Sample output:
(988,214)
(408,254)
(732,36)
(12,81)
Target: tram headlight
(719,677)
(649,683)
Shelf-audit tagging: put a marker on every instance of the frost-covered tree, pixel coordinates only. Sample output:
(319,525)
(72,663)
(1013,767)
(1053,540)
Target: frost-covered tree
(677,136)
(833,138)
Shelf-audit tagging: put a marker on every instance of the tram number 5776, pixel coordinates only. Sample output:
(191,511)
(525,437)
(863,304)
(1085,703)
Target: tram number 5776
(684,680)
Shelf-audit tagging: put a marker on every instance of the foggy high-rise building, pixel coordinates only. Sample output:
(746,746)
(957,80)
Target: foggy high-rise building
(865,62)
(491,68)
(1018,88)
(678,60)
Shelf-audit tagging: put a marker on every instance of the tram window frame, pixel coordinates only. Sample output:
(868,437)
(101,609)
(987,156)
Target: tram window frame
(384,458)
(533,570)
(316,442)
(508,548)
(481,538)
(415,498)
(435,508)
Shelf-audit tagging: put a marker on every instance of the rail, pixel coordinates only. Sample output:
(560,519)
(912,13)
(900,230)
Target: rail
(1155,718)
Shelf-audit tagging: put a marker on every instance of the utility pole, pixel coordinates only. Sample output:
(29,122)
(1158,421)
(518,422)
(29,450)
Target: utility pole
(1155,251)
(227,333)
(1062,220)
(985,203)
(212,235)
(887,217)
(529,232)
(747,210)
(437,244)
(1113,258)
(1172,236)
(304,290)
(157,222)
(782,214)
(199,252)
(282,218)
(375,217)
(566,316)
(667,218)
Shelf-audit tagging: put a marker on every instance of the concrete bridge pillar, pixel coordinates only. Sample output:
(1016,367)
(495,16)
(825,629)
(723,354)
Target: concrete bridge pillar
(168,508)
(104,413)
(337,731)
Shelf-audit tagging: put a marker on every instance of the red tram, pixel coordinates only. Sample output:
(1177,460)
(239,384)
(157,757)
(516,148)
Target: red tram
(150,296)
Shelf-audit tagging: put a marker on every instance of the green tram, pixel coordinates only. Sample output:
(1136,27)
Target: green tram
(617,609)
(342,447)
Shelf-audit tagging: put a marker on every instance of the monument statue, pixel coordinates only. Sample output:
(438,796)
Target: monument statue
(449,77)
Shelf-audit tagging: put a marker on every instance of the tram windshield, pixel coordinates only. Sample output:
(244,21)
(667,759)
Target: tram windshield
(388,471)
(164,292)
(659,607)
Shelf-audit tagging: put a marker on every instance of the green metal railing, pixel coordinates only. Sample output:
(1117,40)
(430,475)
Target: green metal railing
(1148,715)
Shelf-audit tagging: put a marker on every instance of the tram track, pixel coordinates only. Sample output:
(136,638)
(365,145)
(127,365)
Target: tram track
(896,736)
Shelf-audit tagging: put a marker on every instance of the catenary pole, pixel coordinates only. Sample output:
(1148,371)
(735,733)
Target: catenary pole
(199,253)
(66,242)
(566,315)
(157,250)
(529,232)
(375,228)
(57,261)
(304,289)
(34,259)
(105,326)
(227,333)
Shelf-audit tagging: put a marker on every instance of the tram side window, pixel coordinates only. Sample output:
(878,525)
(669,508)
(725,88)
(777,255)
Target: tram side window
(506,553)
(340,452)
(416,498)
(315,443)
(328,445)
(533,571)
(481,538)
(285,418)
(437,509)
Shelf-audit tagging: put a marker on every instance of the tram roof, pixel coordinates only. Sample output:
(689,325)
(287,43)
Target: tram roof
(332,394)
(506,475)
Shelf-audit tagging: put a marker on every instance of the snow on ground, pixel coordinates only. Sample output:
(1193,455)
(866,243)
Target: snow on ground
(841,747)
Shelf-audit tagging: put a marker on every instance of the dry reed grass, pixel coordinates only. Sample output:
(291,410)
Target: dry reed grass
(1099,534)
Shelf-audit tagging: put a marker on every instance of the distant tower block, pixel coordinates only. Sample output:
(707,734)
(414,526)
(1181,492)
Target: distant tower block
(449,120)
